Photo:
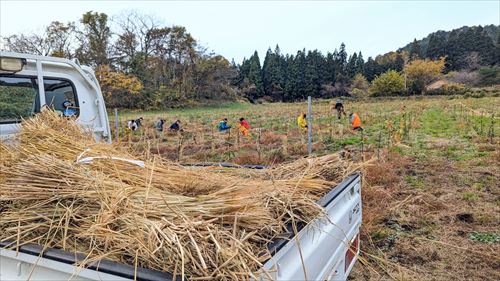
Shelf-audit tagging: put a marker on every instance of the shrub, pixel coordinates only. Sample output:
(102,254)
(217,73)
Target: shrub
(450,89)
(463,77)
(421,73)
(358,93)
(389,83)
(489,75)
(359,86)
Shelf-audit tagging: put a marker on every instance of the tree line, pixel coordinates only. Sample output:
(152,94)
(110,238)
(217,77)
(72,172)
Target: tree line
(294,77)
(464,48)
(141,63)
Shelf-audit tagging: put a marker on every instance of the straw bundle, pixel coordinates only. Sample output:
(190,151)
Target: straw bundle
(207,223)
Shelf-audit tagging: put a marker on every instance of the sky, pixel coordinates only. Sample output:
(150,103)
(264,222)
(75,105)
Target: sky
(235,29)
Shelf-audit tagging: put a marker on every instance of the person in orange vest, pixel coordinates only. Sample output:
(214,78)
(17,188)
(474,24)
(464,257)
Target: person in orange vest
(355,122)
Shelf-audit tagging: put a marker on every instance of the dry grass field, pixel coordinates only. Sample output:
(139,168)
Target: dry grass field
(431,198)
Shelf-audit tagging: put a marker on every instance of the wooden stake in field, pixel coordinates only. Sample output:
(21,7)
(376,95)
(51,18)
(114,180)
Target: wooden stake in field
(491,131)
(285,141)
(116,125)
(481,124)
(362,146)
(179,147)
(309,126)
(212,143)
(378,144)
(258,142)
(237,138)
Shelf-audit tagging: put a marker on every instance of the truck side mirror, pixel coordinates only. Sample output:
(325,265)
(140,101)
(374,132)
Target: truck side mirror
(12,65)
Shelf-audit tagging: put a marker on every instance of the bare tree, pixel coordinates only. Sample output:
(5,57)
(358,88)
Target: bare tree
(55,41)
(134,35)
(473,61)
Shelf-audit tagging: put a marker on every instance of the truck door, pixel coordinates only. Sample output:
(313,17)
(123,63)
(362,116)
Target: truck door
(20,98)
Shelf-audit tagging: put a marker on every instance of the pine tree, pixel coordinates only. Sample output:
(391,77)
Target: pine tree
(315,73)
(255,75)
(296,87)
(243,69)
(331,68)
(484,46)
(415,51)
(360,64)
(273,74)
(371,69)
(399,62)
(266,71)
(351,66)
(342,59)
(456,48)
(289,93)
(437,46)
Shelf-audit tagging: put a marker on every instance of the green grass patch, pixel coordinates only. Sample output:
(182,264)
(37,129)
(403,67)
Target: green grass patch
(415,182)
(484,237)
(470,196)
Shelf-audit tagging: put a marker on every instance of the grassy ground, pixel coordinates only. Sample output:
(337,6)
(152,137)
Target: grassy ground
(431,201)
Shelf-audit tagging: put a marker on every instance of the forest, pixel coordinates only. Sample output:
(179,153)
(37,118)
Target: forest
(141,63)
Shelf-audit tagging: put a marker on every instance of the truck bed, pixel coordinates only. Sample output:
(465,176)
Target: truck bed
(324,249)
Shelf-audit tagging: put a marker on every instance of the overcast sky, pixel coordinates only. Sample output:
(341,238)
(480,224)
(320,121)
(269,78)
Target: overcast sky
(235,29)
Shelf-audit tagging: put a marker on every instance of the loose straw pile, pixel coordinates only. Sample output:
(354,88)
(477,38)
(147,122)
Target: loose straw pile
(200,224)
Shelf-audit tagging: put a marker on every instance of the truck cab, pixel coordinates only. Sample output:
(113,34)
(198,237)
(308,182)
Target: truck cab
(28,83)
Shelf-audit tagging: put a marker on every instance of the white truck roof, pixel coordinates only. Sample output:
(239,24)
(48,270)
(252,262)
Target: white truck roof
(88,98)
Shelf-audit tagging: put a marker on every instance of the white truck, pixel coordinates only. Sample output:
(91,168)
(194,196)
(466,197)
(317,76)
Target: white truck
(325,249)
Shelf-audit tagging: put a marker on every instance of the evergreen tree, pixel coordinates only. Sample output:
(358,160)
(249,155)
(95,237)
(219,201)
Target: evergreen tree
(290,70)
(315,73)
(415,51)
(484,46)
(255,75)
(243,70)
(295,87)
(360,64)
(281,73)
(273,74)
(351,66)
(456,49)
(267,68)
(371,69)
(437,46)
(331,68)
(342,60)
(399,63)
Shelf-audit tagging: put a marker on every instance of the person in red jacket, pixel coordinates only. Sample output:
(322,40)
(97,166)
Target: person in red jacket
(244,127)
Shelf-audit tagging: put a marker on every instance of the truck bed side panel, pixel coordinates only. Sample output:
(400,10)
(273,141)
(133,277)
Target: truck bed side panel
(318,251)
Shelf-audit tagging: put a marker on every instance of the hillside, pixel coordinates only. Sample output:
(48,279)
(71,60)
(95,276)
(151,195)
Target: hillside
(457,45)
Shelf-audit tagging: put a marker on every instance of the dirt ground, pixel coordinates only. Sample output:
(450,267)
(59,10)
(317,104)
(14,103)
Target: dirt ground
(421,216)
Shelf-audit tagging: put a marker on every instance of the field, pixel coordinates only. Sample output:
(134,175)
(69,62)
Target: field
(431,196)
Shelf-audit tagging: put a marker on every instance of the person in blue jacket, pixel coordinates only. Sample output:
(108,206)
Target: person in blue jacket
(69,109)
(223,125)
(176,126)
